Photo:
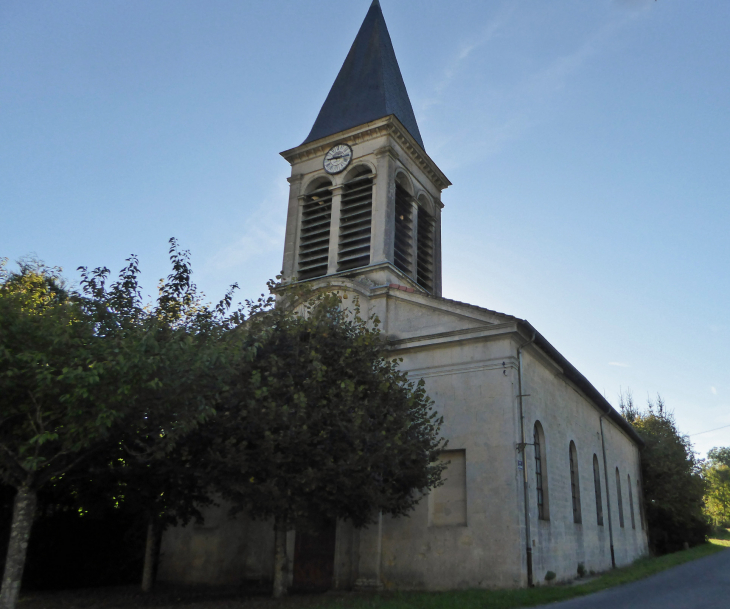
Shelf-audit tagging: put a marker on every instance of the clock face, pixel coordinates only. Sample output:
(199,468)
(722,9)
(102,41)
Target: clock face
(337,158)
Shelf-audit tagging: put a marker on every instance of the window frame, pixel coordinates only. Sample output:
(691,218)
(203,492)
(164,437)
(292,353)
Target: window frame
(619,499)
(575,483)
(597,489)
(541,473)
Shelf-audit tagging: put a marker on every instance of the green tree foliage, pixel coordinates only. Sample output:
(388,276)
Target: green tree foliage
(99,393)
(61,391)
(717,476)
(154,465)
(671,476)
(319,423)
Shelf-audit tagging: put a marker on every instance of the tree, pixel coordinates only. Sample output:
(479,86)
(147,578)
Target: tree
(671,476)
(318,421)
(717,476)
(100,379)
(61,391)
(155,463)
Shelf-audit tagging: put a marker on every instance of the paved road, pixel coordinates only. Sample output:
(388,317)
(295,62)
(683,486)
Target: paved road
(700,584)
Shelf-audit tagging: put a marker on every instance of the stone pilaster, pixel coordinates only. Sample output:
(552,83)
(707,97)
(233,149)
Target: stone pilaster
(437,280)
(383,222)
(334,229)
(291,238)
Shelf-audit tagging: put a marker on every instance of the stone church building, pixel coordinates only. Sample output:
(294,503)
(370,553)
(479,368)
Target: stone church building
(544,474)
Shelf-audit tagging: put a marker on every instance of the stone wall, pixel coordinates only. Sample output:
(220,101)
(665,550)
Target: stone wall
(560,544)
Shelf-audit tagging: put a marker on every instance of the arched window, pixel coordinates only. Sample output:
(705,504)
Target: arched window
(356,211)
(540,473)
(575,483)
(631,502)
(597,485)
(403,244)
(314,235)
(641,505)
(620,501)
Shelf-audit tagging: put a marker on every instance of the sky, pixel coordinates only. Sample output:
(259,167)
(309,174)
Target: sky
(588,144)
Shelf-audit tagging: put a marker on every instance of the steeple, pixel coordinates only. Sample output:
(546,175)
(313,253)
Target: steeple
(369,85)
(364,196)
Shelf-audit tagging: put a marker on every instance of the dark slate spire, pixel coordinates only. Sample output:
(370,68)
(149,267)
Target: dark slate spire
(369,85)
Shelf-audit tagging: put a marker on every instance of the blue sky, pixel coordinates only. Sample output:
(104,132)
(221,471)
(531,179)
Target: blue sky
(588,144)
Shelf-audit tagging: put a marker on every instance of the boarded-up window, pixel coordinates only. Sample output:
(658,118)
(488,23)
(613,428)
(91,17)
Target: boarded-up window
(447,503)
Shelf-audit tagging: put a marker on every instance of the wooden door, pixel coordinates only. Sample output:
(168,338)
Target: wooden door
(314,558)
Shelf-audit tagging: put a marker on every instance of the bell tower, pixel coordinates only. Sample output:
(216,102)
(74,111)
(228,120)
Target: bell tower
(365,198)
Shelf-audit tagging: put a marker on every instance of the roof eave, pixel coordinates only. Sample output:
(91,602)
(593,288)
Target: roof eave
(572,374)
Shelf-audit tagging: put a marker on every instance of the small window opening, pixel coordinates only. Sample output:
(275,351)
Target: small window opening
(597,484)
(356,211)
(314,238)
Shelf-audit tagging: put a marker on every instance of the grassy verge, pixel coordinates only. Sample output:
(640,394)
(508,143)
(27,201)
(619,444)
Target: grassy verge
(512,599)
(721,537)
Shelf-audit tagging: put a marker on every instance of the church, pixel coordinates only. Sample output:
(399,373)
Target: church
(544,475)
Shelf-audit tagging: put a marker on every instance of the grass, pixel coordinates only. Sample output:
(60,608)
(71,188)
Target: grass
(130,597)
(721,538)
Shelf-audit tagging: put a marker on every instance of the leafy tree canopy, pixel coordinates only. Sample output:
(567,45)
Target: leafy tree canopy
(717,477)
(671,476)
(62,388)
(319,422)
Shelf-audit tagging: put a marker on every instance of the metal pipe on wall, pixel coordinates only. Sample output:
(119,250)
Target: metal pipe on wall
(608,495)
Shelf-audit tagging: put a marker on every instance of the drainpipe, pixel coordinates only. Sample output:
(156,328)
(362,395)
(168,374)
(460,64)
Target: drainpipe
(608,496)
(528,533)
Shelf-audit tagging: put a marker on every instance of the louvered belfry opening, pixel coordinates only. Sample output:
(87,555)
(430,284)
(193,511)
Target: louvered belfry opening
(425,264)
(356,212)
(314,238)
(403,246)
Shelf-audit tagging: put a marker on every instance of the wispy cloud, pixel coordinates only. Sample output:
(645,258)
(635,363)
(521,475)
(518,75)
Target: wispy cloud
(713,390)
(263,233)
(515,108)
(619,364)
(465,49)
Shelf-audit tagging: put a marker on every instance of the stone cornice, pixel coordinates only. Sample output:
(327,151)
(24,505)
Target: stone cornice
(500,363)
(388,125)
(486,332)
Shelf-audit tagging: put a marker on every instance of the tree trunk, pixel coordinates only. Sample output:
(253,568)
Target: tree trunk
(23,513)
(279,558)
(151,553)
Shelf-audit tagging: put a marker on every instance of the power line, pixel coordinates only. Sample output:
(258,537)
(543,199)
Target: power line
(699,433)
